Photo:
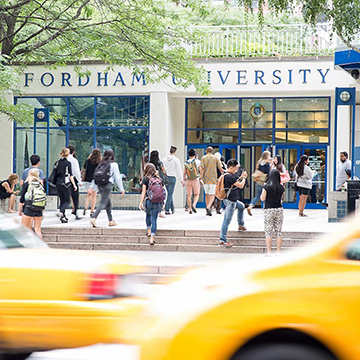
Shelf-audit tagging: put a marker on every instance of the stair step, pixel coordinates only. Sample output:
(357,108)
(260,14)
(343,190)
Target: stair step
(159,247)
(156,278)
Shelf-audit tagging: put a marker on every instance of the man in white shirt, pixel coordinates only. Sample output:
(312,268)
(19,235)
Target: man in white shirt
(172,168)
(77,178)
(341,168)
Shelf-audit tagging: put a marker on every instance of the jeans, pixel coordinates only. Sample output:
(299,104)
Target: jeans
(105,202)
(230,207)
(169,205)
(152,212)
(258,190)
(64,195)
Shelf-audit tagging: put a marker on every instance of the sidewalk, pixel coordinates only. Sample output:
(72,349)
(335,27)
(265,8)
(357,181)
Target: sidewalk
(182,220)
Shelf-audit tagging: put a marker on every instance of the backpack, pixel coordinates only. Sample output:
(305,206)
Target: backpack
(191,170)
(102,173)
(220,191)
(155,190)
(35,196)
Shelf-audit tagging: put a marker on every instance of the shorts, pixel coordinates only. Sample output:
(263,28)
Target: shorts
(209,189)
(273,221)
(303,191)
(193,187)
(86,186)
(32,213)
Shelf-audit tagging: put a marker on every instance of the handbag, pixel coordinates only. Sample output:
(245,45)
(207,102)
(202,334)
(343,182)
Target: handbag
(284,177)
(67,181)
(53,175)
(259,177)
(83,172)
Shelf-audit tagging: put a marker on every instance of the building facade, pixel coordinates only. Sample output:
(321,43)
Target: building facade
(285,106)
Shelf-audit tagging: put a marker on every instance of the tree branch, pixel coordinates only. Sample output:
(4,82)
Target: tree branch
(15,6)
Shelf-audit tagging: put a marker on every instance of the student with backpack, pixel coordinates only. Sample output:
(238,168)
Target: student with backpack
(33,195)
(153,193)
(227,188)
(192,180)
(106,173)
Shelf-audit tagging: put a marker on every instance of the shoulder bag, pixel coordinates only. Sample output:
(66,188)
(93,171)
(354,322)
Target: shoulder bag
(53,175)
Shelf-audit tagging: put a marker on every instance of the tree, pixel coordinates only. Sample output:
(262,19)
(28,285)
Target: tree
(145,35)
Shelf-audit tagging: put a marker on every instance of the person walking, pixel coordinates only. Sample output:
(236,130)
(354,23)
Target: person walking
(7,191)
(90,165)
(278,164)
(303,176)
(232,184)
(63,180)
(159,166)
(104,177)
(153,194)
(191,179)
(32,191)
(341,167)
(172,168)
(272,193)
(209,164)
(74,190)
(262,165)
(35,163)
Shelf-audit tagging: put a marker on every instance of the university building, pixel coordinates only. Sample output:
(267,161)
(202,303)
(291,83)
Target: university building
(291,106)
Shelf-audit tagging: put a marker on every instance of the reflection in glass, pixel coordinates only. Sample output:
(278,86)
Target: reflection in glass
(81,111)
(83,140)
(256,136)
(128,145)
(24,149)
(302,113)
(212,113)
(122,111)
(306,136)
(212,136)
(57,141)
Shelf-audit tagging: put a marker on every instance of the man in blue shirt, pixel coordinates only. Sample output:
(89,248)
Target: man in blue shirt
(35,163)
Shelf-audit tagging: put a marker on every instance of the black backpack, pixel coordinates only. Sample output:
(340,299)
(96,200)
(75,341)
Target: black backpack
(102,173)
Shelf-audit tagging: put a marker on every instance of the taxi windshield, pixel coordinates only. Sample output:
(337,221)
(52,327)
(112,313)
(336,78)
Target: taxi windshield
(13,236)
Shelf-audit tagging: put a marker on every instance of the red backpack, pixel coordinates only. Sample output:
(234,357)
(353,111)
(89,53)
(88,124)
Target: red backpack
(156,191)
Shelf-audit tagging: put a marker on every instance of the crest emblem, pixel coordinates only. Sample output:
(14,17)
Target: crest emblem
(257,111)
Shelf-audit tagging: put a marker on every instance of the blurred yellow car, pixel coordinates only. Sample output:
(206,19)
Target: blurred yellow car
(305,307)
(52,299)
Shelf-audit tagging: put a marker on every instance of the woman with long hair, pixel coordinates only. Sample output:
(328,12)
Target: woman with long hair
(90,165)
(64,178)
(303,177)
(7,191)
(152,208)
(106,187)
(278,164)
(31,218)
(263,165)
(273,214)
(159,166)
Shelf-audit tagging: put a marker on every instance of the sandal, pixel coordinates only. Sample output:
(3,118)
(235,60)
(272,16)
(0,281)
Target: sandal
(91,213)
(302,215)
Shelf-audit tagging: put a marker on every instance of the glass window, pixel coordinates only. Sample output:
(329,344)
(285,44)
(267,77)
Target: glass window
(81,111)
(256,136)
(128,145)
(302,113)
(212,136)
(212,113)
(306,136)
(257,113)
(83,140)
(122,111)
(24,149)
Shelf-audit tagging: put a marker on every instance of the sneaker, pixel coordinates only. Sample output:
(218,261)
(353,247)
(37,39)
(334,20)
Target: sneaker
(228,245)
(242,228)
(167,213)
(112,223)
(221,242)
(218,212)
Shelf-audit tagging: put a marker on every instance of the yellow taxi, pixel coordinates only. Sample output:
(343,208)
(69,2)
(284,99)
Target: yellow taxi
(303,306)
(52,299)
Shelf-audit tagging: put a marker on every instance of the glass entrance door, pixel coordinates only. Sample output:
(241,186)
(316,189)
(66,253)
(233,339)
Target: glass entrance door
(290,155)
(227,151)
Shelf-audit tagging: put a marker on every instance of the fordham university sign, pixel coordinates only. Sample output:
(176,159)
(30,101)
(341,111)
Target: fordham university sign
(239,77)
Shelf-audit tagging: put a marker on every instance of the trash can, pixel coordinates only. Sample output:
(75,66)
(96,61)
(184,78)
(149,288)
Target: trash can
(353,192)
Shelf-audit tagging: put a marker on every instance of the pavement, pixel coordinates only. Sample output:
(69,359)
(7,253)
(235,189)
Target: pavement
(182,220)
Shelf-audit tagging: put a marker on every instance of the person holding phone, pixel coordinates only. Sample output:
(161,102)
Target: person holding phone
(232,184)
